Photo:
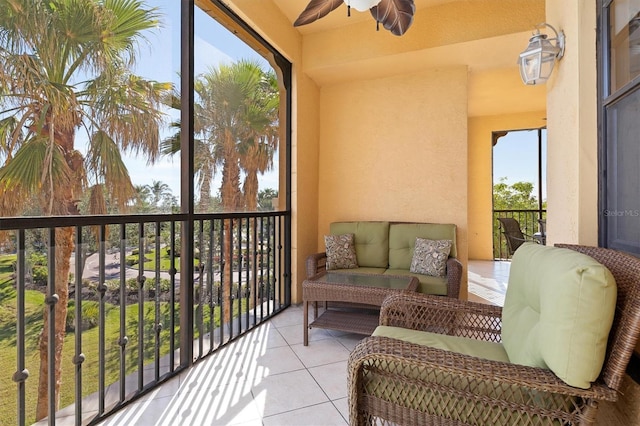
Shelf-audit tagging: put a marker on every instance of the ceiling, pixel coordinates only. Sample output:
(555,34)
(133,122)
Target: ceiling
(488,43)
(337,18)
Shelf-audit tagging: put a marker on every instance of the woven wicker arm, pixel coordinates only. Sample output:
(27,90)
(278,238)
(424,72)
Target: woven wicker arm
(412,384)
(454,276)
(442,315)
(317,263)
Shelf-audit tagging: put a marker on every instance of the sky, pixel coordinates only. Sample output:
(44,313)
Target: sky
(159,59)
(515,157)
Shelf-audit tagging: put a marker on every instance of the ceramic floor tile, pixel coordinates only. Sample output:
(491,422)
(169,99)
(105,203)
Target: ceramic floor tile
(350,341)
(275,361)
(266,335)
(294,334)
(291,316)
(321,352)
(332,378)
(342,405)
(285,392)
(318,415)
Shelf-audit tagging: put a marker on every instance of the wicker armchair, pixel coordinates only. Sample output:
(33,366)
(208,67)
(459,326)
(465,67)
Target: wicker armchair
(389,378)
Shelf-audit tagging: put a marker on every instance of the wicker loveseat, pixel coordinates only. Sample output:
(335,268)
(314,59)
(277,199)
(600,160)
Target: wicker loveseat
(467,377)
(388,248)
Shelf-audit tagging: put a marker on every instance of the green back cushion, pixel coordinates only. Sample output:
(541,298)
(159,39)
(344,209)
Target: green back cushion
(371,240)
(402,240)
(558,311)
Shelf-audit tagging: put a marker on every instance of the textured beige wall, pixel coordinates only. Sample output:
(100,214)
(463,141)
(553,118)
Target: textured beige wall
(395,149)
(481,171)
(572,164)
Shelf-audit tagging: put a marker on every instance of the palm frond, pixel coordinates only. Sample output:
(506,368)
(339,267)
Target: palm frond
(104,161)
(35,161)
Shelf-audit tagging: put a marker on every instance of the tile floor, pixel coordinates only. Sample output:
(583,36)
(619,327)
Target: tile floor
(269,378)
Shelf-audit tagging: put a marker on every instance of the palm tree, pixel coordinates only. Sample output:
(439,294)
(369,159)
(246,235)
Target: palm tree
(159,191)
(236,125)
(261,142)
(66,67)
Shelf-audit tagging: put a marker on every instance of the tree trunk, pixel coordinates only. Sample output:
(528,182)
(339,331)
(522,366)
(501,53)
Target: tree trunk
(64,249)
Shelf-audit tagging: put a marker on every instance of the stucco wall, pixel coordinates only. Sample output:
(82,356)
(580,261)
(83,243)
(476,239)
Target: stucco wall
(480,174)
(572,166)
(395,149)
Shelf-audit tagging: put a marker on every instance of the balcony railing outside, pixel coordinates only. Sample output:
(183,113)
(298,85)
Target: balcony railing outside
(529,224)
(124,322)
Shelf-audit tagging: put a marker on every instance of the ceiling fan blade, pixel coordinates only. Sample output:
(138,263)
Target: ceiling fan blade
(316,9)
(395,15)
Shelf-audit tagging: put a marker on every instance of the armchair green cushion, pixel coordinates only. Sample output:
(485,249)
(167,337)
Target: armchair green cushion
(558,311)
(463,345)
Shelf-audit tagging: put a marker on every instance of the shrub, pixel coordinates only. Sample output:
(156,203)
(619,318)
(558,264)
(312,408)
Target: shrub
(39,274)
(90,315)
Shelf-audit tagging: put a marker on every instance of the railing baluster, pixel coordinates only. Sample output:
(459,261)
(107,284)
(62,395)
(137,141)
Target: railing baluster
(210,285)
(101,321)
(220,287)
(21,374)
(124,339)
(78,358)
(141,280)
(158,321)
(239,262)
(271,236)
(246,267)
(51,301)
(254,269)
(199,317)
(172,297)
(278,263)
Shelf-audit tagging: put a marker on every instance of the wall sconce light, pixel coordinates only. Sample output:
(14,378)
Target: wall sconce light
(538,59)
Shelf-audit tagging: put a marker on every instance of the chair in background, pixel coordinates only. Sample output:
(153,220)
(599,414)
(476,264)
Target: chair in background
(514,235)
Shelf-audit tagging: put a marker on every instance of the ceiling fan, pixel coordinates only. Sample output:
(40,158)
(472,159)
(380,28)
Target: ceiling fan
(394,15)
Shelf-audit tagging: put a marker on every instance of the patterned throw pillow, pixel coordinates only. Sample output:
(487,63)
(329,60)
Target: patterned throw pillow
(341,251)
(430,257)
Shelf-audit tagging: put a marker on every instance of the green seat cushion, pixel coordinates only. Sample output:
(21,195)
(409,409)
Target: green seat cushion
(402,240)
(558,311)
(371,241)
(427,285)
(463,345)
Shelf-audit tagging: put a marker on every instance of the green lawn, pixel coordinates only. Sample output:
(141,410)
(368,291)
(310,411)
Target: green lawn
(150,261)
(34,302)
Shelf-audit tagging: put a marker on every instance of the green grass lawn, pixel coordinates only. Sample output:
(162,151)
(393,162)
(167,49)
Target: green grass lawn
(34,302)
(150,261)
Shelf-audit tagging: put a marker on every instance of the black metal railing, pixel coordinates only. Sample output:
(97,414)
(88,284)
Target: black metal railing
(125,328)
(531,224)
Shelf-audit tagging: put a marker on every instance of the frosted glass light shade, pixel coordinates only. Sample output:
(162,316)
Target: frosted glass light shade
(537,61)
(362,5)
